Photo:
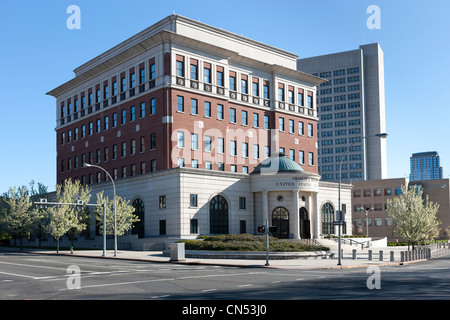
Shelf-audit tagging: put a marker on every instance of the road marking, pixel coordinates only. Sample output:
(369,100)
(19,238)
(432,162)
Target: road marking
(209,290)
(245,285)
(160,280)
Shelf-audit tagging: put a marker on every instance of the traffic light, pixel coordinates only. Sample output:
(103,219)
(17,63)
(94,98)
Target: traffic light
(272,229)
(261,229)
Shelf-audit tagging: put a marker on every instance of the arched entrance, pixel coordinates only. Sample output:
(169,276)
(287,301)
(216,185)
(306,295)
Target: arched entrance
(305,224)
(218,215)
(280,220)
(139,227)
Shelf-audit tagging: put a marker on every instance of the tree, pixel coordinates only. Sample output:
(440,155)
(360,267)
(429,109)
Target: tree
(19,218)
(124,215)
(65,218)
(413,219)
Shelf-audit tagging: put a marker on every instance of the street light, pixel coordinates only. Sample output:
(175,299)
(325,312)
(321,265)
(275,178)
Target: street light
(367,219)
(87,165)
(340,215)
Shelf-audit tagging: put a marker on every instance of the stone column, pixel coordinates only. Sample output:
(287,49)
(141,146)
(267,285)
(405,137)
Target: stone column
(265,207)
(295,213)
(315,216)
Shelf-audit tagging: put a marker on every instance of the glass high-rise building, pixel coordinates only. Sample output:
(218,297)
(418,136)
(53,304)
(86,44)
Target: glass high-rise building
(425,166)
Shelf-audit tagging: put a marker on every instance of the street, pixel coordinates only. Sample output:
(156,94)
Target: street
(45,277)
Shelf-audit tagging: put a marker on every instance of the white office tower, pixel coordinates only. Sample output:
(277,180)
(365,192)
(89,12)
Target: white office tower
(351,110)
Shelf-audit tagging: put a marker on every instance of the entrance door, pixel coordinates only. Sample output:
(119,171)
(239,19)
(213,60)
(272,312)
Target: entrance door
(305,224)
(280,220)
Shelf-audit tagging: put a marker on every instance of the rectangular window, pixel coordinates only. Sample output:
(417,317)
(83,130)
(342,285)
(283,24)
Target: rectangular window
(106,123)
(208,165)
(233,150)
(162,227)
(194,226)
(311,159)
(301,157)
(242,204)
(220,145)
(180,68)
(232,83)
(281,124)
(114,119)
(142,111)
(194,72)
(207,109)
(153,106)
(266,122)
(193,200)
(255,89)
(244,88)
(180,139)
(132,80)
(162,201)
(141,76)
(310,130)
(301,128)
(255,120)
(132,113)
(123,84)
(245,149)
(219,78)
(208,141)
(180,104)
(232,115)
(244,118)
(133,147)
(207,75)
(194,163)
(256,151)
(194,106)
(153,141)
(124,116)
(220,112)
(124,149)
(291,126)
(194,141)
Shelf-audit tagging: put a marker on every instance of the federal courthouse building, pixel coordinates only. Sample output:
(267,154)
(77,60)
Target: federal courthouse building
(203,130)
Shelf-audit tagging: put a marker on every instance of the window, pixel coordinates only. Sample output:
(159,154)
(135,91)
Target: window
(281,94)
(300,99)
(266,91)
(327,219)
(141,76)
(310,130)
(244,88)
(266,122)
(194,141)
(152,72)
(232,115)
(310,102)
(114,154)
(181,162)
(291,126)
(106,123)
(233,168)
(133,147)
(153,165)
(132,80)
(233,150)
(162,201)
(208,165)
(83,131)
(124,172)
(208,141)
(124,116)
(180,68)
(180,104)
(242,204)
(311,159)
(256,151)
(91,128)
(220,145)
(194,72)
(98,127)
(220,112)
(194,106)
(153,106)
(292,154)
(162,227)
(301,157)
(255,89)
(245,149)
(194,163)
(123,84)
(301,128)
(255,120)
(244,118)
(207,109)
(219,78)
(153,141)
(194,226)
(180,139)
(193,200)
(132,113)
(232,83)
(142,111)
(281,124)
(207,75)
(124,149)
(114,119)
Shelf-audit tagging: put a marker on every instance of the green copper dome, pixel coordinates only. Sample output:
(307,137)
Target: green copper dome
(284,165)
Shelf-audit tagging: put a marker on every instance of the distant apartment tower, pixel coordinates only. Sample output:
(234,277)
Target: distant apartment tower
(350,106)
(425,166)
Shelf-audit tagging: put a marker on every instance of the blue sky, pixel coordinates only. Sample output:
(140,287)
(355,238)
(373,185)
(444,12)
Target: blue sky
(38,53)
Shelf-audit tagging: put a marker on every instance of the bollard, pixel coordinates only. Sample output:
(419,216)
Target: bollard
(402,256)
(370,255)
(177,252)
(380,255)
(354,254)
(392,256)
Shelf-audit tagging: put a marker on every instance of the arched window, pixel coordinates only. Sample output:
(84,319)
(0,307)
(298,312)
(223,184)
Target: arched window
(280,220)
(218,215)
(139,227)
(327,218)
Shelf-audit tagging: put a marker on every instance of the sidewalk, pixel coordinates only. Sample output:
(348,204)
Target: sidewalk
(158,257)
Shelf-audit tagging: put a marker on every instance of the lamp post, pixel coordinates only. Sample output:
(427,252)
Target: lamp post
(340,215)
(367,219)
(87,165)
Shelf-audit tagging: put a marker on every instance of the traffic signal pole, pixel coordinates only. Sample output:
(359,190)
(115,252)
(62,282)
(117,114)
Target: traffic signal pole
(267,242)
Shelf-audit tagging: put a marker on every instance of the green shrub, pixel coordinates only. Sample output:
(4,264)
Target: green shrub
(248,242)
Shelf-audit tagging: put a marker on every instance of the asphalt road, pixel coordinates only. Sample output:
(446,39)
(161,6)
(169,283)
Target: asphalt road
(45,277)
